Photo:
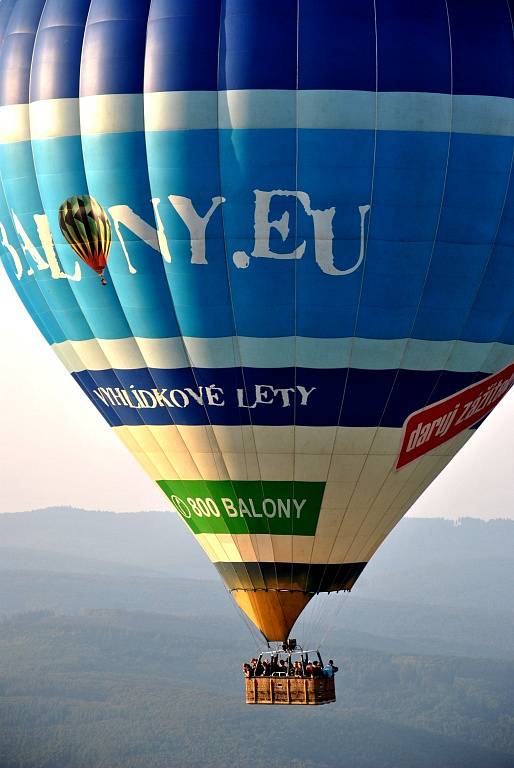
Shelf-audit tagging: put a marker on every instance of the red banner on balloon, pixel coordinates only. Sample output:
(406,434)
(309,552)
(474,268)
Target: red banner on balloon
(434,425)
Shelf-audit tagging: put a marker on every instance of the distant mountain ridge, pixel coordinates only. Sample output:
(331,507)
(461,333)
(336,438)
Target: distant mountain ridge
(423,561)
(158,541)
(152,541)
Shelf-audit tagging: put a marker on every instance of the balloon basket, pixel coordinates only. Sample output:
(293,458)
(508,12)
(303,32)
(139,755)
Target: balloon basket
(282,678)
(290,690)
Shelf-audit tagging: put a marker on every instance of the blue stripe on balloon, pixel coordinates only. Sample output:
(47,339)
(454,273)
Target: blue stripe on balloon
(336,46)
(22,196)
(27,290)
(468,292)
(182,45)
(371,398)
(408,59)
(16,54)
(116,173)
(256,46)
(6,8)
(114,47)
(56,62)
(482,62)
(60,172)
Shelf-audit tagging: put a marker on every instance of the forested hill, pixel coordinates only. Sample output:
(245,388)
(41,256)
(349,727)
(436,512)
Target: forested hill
(119,647)
(130,690)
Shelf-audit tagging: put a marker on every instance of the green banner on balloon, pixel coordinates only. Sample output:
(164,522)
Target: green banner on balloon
(244,506)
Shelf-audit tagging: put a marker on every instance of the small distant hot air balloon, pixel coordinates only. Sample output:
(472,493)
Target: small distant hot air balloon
(86,227)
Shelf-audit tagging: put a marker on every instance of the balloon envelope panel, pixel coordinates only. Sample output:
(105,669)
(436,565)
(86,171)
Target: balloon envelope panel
(309,280)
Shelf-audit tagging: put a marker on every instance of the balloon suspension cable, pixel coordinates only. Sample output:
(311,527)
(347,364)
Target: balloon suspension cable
(313,617)
(320,611)
(246,621)
(342,601)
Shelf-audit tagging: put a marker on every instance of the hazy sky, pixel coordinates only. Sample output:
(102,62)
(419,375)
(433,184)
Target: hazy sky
(55,449)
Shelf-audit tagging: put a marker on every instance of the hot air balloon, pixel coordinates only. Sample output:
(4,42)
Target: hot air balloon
(311,284)
(87,229)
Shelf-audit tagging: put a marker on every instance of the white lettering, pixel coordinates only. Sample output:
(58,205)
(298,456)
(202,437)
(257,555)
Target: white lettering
(30,249)
(264,227)
(135,392)
(122,214)
(284,508)
(241,400)
(195,395)
(181,506)
(18,266)
(323,232)
(147,398)
(324,236)
(202,506)
(155,236)
(305,394)
(271,503)
(229,507)
(254,513)
(127,399)
(243,509)
(117,396)
(264,394)
(299,506)
(162,401)
(213,507)
(178,398)
(284,393)
(196,224)
(413,438)
(192,504)
(100,393)
(161,234)
(214,395)
(45,237)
